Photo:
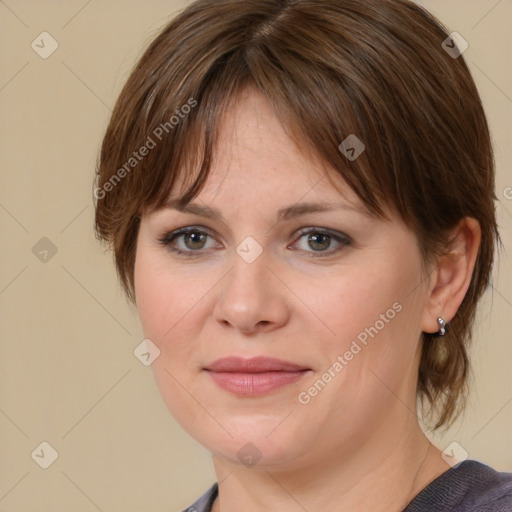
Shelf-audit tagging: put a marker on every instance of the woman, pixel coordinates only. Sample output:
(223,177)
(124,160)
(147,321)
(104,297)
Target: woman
(300,200)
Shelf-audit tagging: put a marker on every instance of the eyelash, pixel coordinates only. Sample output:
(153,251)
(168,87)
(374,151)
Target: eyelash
(169,238)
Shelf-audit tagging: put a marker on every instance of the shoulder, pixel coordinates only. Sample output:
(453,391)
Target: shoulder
(490,490)
(487,490)
(205,502)
(470,486)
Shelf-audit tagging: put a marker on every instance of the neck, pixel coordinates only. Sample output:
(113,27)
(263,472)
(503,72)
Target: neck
(383,475)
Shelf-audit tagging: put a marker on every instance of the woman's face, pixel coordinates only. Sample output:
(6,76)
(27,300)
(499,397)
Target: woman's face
(338,296)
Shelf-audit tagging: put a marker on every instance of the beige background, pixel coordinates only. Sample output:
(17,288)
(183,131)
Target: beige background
(68,375)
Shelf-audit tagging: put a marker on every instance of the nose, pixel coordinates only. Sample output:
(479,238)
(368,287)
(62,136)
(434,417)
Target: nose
(252,298)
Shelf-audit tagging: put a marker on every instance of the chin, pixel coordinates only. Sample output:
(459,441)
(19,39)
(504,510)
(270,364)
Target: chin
(255,442)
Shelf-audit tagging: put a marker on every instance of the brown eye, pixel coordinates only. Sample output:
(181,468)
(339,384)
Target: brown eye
(194,240)
(186,241)
(320,241)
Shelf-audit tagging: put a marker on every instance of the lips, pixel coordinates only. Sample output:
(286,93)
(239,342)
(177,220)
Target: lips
(253,365)
(254,377)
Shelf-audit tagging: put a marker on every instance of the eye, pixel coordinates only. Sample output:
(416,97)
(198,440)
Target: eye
(193,241)
(320,241)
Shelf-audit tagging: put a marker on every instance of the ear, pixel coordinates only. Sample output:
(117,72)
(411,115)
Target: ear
(452,277)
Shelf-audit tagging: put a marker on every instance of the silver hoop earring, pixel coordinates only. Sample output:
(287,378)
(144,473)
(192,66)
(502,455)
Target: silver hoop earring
(442,326)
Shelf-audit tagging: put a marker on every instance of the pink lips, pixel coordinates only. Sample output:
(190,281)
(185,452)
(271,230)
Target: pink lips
(255,376)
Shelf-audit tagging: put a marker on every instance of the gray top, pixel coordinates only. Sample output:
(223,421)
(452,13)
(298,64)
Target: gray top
(469,487)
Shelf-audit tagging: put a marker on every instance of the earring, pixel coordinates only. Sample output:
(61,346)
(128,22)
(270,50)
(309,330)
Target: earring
(442,327)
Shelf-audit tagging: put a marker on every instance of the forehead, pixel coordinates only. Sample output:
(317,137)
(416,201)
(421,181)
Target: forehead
(255,155)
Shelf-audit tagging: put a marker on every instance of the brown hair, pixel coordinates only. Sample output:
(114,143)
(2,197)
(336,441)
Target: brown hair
(330,68)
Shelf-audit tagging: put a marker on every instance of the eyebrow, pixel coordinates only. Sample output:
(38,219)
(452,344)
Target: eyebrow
(286,213)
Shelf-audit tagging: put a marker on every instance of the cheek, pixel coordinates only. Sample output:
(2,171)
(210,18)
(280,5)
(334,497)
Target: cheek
(375,319)
(163,297)
(164,302)
(373,314)
(357,300)
(152,301)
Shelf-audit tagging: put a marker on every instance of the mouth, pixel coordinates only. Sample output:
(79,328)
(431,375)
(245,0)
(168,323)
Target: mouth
(254,377)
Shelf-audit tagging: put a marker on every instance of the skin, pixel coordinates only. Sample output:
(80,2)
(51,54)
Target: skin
(358,443)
